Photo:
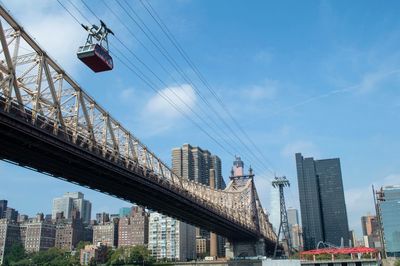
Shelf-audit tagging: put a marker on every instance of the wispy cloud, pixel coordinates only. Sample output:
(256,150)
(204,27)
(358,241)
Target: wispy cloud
(160,115)
(372,81)
(265,91)
(126,95)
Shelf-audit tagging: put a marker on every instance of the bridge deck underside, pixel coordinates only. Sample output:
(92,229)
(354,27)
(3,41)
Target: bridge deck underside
(31,146)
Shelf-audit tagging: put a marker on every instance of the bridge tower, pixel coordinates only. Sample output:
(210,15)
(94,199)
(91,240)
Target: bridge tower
(239,181)
(280,183)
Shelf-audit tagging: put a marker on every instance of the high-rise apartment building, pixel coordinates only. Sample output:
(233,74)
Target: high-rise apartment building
(70,201)
(9,235)
(134,229)
(107,234)
(389,209)
(195,163)
(69,232)
(37,234)
(322,203)
(170,238)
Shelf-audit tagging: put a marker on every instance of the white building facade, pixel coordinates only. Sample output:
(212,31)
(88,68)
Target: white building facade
(171,239)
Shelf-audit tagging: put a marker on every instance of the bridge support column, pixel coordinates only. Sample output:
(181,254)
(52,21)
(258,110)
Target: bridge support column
(245,248)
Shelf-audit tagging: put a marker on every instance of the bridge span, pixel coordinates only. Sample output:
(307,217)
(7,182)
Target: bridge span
(50,124)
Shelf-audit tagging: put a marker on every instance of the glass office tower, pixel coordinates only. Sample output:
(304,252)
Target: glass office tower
(390,217)
(322,203)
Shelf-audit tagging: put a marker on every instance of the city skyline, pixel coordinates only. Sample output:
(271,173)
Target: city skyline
(374,97)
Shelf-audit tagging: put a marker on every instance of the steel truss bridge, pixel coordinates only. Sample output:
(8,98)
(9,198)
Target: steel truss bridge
(50,124)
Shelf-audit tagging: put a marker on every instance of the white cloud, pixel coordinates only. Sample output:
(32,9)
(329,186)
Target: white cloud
(55,31)
(359,202)
(307,148)
(159,115)
(182,96)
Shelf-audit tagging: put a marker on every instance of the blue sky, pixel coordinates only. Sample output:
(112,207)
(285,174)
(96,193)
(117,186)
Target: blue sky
(317,77)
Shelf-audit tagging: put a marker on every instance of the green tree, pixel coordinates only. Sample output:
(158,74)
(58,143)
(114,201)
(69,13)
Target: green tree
(75,259)
(14,254)
(52,257)
(140,255)
(116,257)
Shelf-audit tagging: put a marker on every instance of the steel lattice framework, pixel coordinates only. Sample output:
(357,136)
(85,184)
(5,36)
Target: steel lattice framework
(36,89)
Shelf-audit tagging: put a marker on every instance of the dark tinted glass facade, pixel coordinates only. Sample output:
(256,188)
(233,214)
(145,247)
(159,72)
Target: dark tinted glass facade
(322,203)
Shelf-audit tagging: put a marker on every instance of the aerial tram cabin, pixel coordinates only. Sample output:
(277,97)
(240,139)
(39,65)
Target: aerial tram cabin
(95,53)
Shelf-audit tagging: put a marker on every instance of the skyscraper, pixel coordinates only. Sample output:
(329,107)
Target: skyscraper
(322,203)
(294,227)
(125,212)
(389,209)
(293,216)
(195,163)
(3,208)
(70,201)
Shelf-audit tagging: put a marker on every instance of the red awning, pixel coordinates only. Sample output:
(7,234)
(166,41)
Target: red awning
(339,251)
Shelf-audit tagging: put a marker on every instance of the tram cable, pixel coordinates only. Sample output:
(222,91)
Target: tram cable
(179,69)
(173,40)
(152,86)
(144,79)
(174,64)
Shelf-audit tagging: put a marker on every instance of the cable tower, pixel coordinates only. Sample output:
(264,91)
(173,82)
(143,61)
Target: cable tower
(281,182)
